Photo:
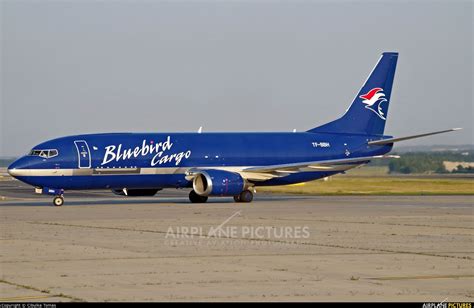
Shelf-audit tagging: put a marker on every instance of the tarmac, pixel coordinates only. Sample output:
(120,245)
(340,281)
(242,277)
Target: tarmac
(102,247)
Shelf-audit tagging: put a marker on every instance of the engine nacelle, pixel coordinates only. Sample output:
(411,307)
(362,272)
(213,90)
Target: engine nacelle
(136,192)
(218,183)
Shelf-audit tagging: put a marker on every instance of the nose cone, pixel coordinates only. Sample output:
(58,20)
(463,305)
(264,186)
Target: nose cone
(19,167)
(13,168)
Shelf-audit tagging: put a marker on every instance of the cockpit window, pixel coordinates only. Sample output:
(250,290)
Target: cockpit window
(53,153)
(44,153)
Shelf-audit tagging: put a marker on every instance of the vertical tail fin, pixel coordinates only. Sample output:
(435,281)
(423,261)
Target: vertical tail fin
(368,112)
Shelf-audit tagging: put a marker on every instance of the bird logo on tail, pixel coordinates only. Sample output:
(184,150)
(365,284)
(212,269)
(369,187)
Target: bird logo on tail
(373,101)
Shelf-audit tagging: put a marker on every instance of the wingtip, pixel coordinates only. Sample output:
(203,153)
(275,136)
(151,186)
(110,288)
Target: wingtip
(457,128)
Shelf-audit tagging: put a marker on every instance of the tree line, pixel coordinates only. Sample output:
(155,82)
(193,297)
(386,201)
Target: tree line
(429,162)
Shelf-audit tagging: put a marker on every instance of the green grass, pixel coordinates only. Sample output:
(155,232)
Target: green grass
(368,171)
(359,185)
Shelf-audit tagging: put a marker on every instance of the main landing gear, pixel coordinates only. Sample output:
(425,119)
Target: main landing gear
(195,198)
(245,197)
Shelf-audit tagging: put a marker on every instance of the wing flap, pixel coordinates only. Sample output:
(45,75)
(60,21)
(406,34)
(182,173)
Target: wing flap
(326,165)
(265,173)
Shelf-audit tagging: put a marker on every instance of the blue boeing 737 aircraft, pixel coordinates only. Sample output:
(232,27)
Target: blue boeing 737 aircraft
(217,164)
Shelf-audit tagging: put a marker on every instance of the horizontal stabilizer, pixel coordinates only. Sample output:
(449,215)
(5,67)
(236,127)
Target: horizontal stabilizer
(392,140)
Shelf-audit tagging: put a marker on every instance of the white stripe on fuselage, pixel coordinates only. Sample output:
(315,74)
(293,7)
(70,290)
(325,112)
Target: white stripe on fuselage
(149,171)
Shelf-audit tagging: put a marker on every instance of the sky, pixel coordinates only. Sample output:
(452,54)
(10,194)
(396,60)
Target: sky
(72,67)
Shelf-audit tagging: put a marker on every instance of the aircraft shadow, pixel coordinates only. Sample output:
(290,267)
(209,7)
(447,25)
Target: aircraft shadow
(183,200)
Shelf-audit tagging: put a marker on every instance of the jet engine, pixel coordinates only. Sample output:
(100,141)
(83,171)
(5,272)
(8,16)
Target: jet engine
(218,183)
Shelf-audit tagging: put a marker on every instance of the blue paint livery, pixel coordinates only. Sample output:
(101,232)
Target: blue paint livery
(230,163)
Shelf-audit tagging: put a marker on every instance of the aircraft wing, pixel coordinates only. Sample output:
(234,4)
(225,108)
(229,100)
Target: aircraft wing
(263,173)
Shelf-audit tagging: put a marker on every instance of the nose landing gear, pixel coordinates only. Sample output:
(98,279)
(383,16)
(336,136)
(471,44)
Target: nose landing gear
(58,201)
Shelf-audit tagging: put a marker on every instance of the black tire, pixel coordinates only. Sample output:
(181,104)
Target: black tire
(195,198)
(237,198)
(246,196)
(58,201)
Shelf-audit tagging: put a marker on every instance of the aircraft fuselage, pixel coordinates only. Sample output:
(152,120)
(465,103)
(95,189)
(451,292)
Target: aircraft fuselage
(148,160)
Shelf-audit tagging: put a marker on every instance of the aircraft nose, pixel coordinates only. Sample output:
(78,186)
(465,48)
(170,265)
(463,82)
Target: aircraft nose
(19,167)
(13,169)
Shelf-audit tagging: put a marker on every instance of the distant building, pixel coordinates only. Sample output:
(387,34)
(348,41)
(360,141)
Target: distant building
(451,166)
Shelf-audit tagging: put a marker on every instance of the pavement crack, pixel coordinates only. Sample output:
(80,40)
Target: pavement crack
(44,291)
(370,223)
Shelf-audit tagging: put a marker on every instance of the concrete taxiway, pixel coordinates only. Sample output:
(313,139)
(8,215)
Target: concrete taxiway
(101,247)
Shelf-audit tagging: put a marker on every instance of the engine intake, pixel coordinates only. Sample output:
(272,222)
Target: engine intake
(218,183)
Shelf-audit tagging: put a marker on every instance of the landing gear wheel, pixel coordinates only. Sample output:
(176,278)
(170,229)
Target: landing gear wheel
(58,201)
(245,196)
(195,198)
